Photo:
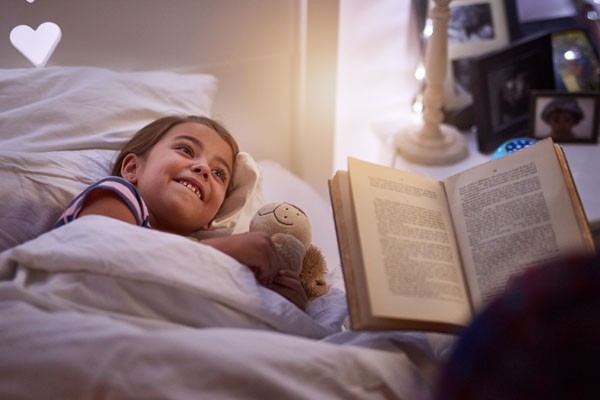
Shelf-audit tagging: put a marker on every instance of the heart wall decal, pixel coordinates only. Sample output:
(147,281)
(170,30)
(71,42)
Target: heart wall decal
(37,45)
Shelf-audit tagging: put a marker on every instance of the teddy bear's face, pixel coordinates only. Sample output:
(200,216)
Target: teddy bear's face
(286,218)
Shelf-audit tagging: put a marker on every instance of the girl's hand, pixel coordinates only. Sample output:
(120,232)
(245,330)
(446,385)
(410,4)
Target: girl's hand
(287,283)
(254,249)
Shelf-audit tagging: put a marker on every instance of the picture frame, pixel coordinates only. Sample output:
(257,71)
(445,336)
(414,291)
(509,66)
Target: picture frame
(530,17)
(567,117)
(502,82)
(475,27)
(576,62)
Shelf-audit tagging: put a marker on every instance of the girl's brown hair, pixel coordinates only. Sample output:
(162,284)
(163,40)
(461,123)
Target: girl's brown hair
(149,135)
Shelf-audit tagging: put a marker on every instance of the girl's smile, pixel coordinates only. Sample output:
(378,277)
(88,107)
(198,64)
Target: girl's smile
(193,186)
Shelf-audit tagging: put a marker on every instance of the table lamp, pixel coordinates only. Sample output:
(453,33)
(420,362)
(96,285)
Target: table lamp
(432,142)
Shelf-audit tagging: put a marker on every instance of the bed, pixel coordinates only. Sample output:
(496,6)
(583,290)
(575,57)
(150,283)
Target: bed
(103,309)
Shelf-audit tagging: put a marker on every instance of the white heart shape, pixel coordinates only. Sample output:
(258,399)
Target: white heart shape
(30,1)
(37,45)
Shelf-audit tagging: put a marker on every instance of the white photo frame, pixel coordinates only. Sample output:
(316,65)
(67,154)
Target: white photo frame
(476,14)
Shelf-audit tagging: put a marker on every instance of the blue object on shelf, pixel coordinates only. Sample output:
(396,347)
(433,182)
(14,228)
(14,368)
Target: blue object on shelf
(512,145)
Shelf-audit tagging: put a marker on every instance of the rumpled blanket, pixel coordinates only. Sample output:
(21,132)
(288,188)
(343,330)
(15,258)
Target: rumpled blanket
(100,308)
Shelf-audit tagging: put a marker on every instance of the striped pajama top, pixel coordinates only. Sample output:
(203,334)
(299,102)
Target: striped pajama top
(125,190)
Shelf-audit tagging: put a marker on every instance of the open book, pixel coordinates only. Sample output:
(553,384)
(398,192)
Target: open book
(423,254)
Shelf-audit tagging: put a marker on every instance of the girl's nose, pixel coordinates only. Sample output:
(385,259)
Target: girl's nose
(201,170)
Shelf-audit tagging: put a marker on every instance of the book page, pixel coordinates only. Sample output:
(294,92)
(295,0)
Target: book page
(408,244)
(511,213)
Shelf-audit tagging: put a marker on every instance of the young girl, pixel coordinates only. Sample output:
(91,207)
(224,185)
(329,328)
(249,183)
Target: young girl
(173,176)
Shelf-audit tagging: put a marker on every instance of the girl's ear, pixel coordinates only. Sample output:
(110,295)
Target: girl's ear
(129,168)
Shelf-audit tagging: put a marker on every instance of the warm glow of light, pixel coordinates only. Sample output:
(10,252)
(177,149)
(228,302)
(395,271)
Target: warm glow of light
(417,104)
(420,72)
(428,29)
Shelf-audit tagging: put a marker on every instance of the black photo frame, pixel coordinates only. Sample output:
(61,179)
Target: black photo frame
(567,117)
(502,82)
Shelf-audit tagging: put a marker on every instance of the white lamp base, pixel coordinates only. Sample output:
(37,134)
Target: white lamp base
(448,148)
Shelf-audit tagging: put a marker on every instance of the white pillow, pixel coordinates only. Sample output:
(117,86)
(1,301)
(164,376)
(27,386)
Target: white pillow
(65,108)
(36,187)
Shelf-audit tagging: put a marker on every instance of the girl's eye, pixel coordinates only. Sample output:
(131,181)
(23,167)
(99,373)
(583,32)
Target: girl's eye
(220,174)
(184,148)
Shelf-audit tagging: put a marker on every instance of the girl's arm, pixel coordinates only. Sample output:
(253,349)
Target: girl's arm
(254,249)
(107,203)
(258,252)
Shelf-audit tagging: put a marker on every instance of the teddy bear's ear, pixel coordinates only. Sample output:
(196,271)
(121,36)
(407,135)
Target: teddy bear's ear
(267,208)
(314,273)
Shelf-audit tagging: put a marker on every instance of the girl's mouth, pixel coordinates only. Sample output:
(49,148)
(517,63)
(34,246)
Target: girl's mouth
(193,188)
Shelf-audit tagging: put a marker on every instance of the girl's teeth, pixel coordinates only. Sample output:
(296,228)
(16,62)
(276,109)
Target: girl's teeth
(191,187)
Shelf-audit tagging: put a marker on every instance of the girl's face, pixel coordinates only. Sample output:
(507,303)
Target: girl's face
(183,179)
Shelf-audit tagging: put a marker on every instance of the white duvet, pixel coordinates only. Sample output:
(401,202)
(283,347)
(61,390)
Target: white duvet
(103,309)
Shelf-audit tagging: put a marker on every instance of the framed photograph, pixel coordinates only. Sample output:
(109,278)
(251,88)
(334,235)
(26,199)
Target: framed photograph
(531,17)
(576,65)
(566,117)
(502,82)
(475,27)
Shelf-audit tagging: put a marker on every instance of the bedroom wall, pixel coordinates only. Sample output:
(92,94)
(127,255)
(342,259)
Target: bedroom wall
(277,108)
(377,57)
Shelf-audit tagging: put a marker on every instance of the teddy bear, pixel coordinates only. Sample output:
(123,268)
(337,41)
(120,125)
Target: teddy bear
(290,230)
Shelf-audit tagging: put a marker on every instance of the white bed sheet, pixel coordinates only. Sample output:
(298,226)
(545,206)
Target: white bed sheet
(159,315)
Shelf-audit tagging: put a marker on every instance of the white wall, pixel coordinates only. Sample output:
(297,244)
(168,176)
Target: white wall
(376,63)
